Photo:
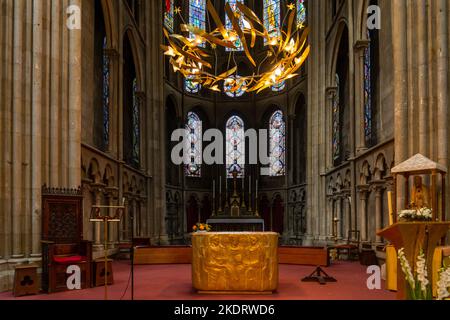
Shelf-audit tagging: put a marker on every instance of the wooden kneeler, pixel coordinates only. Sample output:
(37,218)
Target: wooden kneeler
(320,276)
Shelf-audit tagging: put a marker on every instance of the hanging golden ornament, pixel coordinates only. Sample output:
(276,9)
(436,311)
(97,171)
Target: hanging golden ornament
(285,53)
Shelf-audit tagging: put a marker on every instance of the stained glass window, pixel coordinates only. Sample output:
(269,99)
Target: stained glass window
(194,139)
(197,15)
(336,121)
(106,75)
(191,86)
(136,125)
(368,92)
(272,18)
(277,138)
(168,14)
(235,146)
(301,13)
(234,89)
(229,25)
(279,86)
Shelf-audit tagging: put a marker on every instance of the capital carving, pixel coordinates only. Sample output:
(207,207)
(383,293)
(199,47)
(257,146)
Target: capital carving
(361,45)
(331,92)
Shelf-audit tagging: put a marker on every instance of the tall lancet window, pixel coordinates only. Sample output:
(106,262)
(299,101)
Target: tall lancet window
(101,83)
(197,16)
(301,13)
(229,25)
(132,100)
(194,139)
(336,143)
(106,102)
(370,88)
(272,18)
(235,146)
(191,86)
(168,14)
(277,138)
(136,124)
(280,86)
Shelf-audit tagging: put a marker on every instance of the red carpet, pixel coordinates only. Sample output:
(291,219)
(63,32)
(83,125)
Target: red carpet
(173,282)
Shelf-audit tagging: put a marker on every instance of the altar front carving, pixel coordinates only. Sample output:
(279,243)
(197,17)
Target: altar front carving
(243,262)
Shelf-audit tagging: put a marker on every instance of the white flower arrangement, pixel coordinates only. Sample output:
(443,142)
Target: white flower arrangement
(418,287)
(420,214)
(443,284)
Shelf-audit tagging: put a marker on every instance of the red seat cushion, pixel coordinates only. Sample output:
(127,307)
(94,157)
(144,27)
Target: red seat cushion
(69,259)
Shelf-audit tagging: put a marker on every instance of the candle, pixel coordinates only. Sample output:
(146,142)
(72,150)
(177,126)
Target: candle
(256,189)
(391,214)
(249,184)
(220,185)
(214,189)
(243,183)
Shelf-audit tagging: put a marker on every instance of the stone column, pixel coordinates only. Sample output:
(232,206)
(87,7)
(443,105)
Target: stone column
(36,129)
(379,189)
(339,215)
(292,154)
(74,105)
(17,191)
(348,214)
(398,16)
(329,222)
(97,190)
(331,95)
(363,196)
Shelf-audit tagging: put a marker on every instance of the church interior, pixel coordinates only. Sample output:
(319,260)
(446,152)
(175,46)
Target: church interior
(224,149)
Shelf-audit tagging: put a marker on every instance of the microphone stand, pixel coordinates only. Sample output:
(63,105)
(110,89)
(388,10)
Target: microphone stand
(132,255)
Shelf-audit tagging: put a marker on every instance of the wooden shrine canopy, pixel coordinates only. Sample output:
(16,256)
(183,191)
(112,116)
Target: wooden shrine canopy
(416,166)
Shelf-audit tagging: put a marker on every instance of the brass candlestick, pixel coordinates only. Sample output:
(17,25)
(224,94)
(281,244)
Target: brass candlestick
(106,219)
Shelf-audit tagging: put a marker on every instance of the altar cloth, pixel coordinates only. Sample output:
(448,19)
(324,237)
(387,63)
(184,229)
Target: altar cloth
(235,262)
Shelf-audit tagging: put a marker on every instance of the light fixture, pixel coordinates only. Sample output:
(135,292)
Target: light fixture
(285,53)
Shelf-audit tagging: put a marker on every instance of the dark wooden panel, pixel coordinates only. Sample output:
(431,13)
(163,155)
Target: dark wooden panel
(314,256)
(163,255)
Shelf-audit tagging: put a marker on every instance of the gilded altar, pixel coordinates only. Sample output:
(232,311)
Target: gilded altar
(241,262)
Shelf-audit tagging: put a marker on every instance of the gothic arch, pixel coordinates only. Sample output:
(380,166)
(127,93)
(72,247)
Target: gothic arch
(133,184)
(110,22)
(108,176)
(300,99)
(125,182)
(365,174)
(171,98)
(342,27)
(380,167)
(330,187)
(269,109)
(238,113)
(361,23)
(339,184)
(130,34)
(94,172)
(348,179)
(200,111)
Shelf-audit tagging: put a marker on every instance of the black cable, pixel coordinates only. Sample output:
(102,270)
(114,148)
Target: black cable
(126,289)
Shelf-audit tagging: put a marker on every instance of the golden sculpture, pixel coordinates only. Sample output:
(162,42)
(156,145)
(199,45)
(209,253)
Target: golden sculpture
(286,52)
(235,262)
(419,195)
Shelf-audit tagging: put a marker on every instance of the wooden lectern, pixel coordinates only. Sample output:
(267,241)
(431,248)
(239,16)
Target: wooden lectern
(414,236)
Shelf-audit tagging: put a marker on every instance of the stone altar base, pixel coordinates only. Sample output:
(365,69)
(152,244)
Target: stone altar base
(235,263)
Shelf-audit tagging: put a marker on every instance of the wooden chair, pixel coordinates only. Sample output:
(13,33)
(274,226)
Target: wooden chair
(62,244)
(352,245)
